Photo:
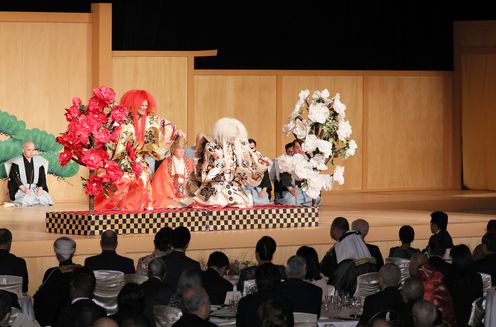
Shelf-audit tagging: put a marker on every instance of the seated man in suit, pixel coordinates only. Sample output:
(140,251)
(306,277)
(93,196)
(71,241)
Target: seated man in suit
(27,178)
(362,226)
(9,263)
(437,248)
(389,298)
(177,261)
(213,281)
(303,296)
(82,286)
(439,228)
(109,259)
(196,309)
(53,294)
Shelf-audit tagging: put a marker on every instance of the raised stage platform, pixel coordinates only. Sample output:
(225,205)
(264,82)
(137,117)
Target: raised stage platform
(386,212)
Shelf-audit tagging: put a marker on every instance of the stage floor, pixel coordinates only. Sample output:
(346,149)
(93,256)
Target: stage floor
(386,212)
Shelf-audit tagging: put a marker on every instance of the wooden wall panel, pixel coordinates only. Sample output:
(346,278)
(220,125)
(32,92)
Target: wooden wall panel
(351,90)
(251,99)
(406,123)
(479,120)
(164,77)
(42,66)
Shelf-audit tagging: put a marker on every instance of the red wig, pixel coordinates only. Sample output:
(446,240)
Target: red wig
(132,100)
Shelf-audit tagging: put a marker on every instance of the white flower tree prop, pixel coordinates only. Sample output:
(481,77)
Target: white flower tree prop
(320,123)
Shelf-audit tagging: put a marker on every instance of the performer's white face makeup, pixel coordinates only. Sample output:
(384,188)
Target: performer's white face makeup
(144,108)
(179,152)
(28,150)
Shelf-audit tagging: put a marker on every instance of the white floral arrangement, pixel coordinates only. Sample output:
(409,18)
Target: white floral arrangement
(319,122)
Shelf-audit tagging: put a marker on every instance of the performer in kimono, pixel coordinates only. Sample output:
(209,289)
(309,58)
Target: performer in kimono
(260,193)
(27,178)
(227,166)
(171,181)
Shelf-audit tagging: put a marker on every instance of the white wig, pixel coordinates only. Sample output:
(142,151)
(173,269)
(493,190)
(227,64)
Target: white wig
(229,130)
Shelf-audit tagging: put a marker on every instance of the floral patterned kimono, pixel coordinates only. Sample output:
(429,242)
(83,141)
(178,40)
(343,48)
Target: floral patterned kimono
(170,183)
(223,180)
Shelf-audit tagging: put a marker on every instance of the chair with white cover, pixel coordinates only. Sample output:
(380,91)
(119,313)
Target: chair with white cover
(367,284)
(490,315)
(303,319)
(403,264)
(12,284)
(135,278)
(108,286)
(166,316)
(477,313)
(486,282)
(249,287)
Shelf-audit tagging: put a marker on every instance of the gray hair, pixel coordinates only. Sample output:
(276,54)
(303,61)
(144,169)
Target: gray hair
(424,313)
(389,275)
(193,299)
(157,268)
(360,225)
(190,278)
(64,247)
(296,267)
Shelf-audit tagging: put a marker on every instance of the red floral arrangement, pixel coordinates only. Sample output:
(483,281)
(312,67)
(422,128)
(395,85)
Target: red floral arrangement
(92,135)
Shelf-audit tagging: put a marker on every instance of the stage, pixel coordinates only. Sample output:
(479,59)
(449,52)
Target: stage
(468,212)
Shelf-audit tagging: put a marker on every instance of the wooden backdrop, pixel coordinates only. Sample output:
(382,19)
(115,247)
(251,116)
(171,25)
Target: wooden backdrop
(406,123)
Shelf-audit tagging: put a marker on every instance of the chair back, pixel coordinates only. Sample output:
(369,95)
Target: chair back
(486,282)
(166,316)
(303,319)
(403,264)
(108,286)
(12,284)
(135,278)
(490,308)
(367,284)
(249,287)
(477,313)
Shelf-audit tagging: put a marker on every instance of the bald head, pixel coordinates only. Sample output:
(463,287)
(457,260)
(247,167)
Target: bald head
(108,240)
(105,322)
(424,314)
(417,260)
(362,226)
(412,290)
(28,149)
(389,275)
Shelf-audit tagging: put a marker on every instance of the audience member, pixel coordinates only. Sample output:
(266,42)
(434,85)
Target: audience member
(82,286)
(464,284)
(155,290)
(196,309)
(273,313)
(404,251)
(349,245)
(301,295)
(362,226)
(264,252)
(411,292)
(189,278)
(389,298)
(9,263)
(261,193)
(53,294)
(105,322)
(268,278)
(439,225)
(424,314)
(130,303)
(109,259)
(479,252)
(213,281)
(487,265)
(162,242)
(313,274)
(436,251)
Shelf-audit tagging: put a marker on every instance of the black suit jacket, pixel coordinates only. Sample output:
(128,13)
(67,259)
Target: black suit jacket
(216,286)
(376,253)
(176,263)
(15,266)
(442,266)
(250,272)
(71,315)
(110,260)
(387,299)
(248,306)
(156,293)
(192,320)
(488,265)
(465,287)
(303,296)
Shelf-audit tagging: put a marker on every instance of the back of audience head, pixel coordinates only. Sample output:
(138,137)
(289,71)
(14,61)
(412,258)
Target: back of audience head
(491,226)
(162,240)
(64,248)
(82,283)
(296,267)
(339,226)
(135,320)
(424,314)
(462,258)
(312,260)
(87,314)
(265,249)
(360,225)
(439,221)
(489,242)
(188,279)
(105,322)
(412,290)
(218,261)
(195,301)
(437,246)
(389,275)
(267,277)
(272,313)
(5,239)
(407,234)
(131,298)
(417,260)
(157,268)
(180,238)
(381,323)
(108,240)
